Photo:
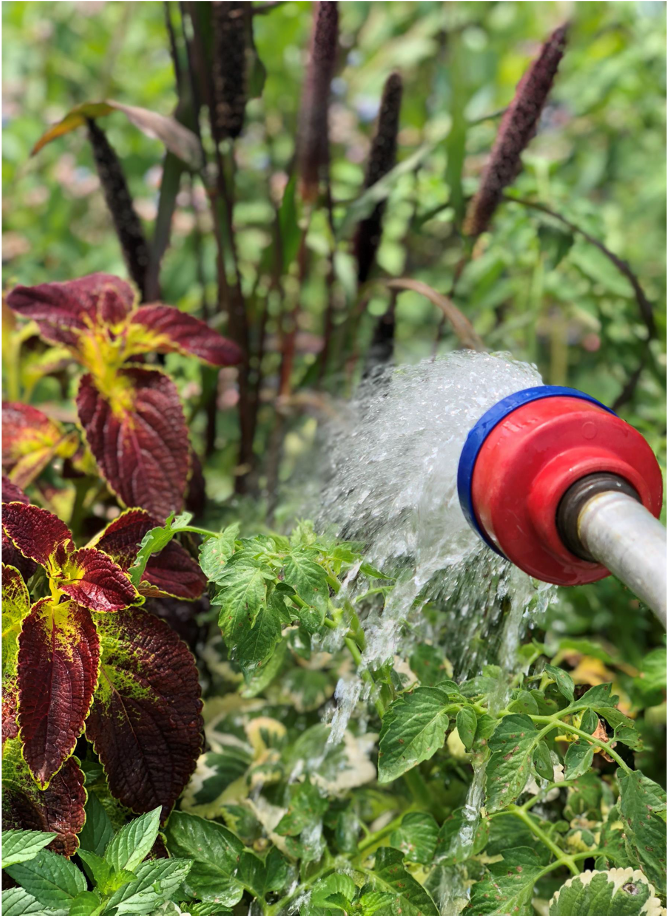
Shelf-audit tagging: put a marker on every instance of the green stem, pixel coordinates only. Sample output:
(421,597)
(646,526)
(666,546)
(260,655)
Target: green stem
(557,722)
(526,818)
(364,848)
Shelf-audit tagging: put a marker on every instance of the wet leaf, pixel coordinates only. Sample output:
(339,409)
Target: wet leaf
(512,745)
(618,892)
(414,728)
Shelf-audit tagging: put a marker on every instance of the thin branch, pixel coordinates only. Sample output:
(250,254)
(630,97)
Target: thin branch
(644,305)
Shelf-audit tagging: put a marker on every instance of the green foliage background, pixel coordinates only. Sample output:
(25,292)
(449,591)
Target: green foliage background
(533,289)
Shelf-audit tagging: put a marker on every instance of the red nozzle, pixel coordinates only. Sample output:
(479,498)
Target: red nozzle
(528,461)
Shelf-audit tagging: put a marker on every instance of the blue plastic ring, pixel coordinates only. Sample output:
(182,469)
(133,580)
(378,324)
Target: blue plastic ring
(476,439)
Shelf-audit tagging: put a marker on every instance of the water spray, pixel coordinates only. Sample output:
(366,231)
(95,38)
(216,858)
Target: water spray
(558,484)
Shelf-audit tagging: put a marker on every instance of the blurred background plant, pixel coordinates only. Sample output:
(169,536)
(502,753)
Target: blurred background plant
(288,289)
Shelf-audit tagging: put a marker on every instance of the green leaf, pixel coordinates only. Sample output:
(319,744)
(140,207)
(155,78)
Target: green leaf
(155,882)
(306,808)
(97,831)
(307,578)
(507,886)
(525,702)
(242,595)
(152,542)
(258,641)
(599,696)
(606,893)
(416,837)
(87,903)
(467,722)
(215,852)
(563,680)
(333,884)
(577,760)
(370,903)
(22,845)
(18,902)
(460,837)
(97,868)
(390,877)
(428,664)
(133,842)
(50,878)
(642,806)
(413,729)
(589,722)
(542,760)
(512,746)
(216,551)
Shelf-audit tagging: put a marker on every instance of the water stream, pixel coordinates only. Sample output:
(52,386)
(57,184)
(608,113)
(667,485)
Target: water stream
(392,484)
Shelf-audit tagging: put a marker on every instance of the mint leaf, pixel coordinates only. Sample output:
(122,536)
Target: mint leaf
(87,903)
(155,883)
(51,879)
(133,842)
(512,746)
(18,902)
(215,852)
(97,831)
(22,845)
(413,729)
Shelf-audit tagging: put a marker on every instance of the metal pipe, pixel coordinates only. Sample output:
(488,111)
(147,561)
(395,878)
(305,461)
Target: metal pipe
(624,536)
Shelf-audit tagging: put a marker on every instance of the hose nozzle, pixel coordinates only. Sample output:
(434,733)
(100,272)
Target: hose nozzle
(531,466)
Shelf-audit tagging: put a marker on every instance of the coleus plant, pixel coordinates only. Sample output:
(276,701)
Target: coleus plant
(130,412)
(86,656)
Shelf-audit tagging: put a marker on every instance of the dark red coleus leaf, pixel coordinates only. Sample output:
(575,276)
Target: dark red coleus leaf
(57,809)
(11,556)
(64,310)
(171,572)
(30,440)
(93,580)
(58,662)
(139,439)
(15,608)
(38,534)
(164,329)
(88,576)
(145,722)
